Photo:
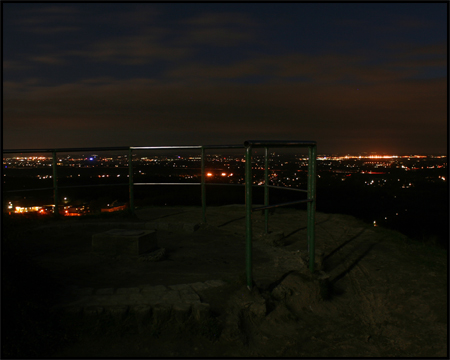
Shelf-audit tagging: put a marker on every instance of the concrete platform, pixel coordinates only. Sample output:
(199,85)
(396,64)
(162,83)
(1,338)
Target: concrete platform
(124,242)
(175,300)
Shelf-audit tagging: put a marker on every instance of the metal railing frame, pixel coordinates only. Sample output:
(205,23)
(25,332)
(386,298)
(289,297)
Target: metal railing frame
(203,178)
(311,196)
(248,145)
(54,166)
(131,182)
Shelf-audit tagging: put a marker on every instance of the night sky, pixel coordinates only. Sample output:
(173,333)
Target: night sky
(355,77)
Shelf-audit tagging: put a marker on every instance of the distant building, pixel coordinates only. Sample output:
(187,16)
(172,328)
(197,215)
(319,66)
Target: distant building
(78,210)
(19,204)
(29,205)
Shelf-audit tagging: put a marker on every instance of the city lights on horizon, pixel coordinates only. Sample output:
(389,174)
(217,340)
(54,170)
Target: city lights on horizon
(146,158)
(347,157)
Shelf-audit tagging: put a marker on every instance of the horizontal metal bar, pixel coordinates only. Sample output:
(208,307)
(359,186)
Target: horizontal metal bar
(282,204)
(253,143)
(64,187)
(64,149)
(285,188)
(223,146)
(165,147)
(187,147)
(167,184)
(269,143)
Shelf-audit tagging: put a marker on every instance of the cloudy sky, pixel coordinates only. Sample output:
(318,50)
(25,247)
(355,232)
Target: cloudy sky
(364,77)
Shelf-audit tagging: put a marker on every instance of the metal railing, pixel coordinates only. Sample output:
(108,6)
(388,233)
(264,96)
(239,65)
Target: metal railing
(203,179)
(131,182)
(248,145)
(311,195)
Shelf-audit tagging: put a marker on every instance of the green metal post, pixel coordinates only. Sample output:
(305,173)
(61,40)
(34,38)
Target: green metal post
(311,205)
(203,185)
(130,180)
(248,215)
(266,190)
(55,186)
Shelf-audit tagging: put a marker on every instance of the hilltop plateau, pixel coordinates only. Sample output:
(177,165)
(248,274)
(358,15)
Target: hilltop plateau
(375,293)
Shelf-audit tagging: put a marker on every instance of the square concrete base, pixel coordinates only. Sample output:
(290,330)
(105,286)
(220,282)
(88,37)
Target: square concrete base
(124,242)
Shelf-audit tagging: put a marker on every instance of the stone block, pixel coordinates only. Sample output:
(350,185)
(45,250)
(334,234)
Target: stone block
(143,315)
(122,299)
(134,290)
(200,312)
(118,311)
(158,289)
(181,311)
(161,313)
(180,287)
(215,283)
(136,299)
(189,297)
(171,297)
(153,298)
(199,286)
(126,242)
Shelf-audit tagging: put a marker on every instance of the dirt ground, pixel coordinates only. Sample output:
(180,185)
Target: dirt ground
(377,294)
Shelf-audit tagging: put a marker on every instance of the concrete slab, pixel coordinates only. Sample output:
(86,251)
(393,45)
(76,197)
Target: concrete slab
(198,286)
(124,242)
(159,289)
(215,283)
(134,290)
(179,287)
(172,297)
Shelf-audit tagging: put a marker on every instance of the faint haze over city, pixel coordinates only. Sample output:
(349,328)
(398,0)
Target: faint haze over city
(355,77)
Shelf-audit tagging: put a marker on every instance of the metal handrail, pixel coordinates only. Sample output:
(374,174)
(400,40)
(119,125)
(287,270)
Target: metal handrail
(311,197)
(12,151)
(131,183)
(64,187)
(278,144)
(248,145)
(203,179)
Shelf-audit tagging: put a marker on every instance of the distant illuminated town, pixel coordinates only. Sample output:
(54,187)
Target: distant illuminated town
(33,172)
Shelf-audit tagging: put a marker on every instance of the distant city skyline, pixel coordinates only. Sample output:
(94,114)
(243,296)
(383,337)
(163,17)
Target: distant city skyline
(355,77)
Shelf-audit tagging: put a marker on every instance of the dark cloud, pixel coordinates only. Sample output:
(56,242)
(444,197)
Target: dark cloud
(229,111)
(353,78)
(133,50)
